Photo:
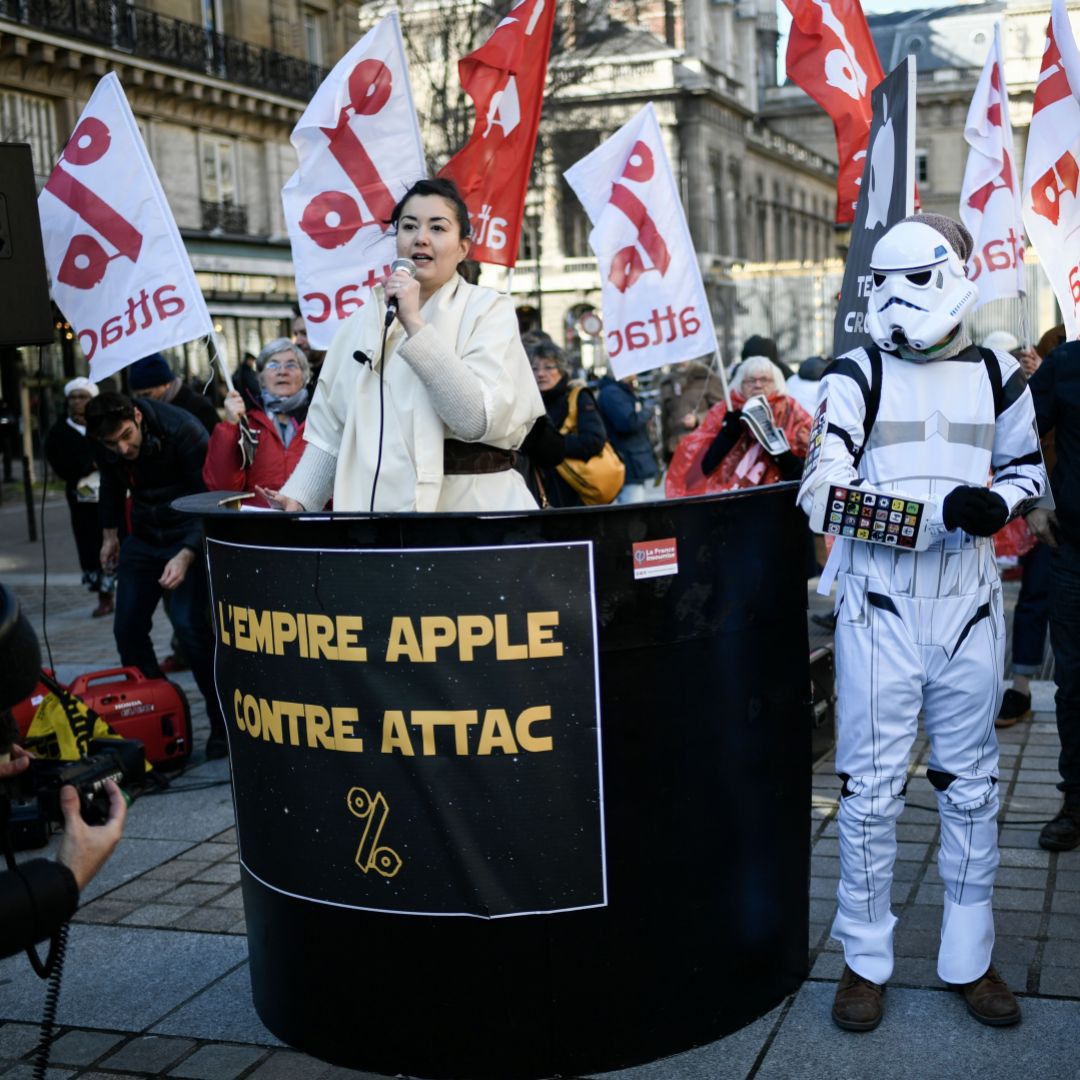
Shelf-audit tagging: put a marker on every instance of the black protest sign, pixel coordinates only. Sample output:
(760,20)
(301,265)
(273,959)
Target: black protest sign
(886,196)
(414,731)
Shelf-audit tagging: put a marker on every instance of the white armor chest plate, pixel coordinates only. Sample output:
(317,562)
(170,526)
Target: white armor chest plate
(934,429)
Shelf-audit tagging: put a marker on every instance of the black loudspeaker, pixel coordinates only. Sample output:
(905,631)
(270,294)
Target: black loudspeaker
(24,285)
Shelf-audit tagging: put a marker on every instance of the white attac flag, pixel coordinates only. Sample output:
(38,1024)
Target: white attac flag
(654,303)
(990,193)
(120,273)
(360,150)
(1052,167)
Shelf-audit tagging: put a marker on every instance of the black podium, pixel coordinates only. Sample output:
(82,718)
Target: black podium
(517,795)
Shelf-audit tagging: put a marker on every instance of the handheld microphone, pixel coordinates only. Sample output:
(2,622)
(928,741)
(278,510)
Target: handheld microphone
(391,305)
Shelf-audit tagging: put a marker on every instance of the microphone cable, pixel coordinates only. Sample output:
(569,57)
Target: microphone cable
(382,414)
(408,265)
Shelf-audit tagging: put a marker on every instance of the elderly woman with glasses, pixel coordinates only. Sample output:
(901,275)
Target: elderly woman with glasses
(283,374)
(722,454)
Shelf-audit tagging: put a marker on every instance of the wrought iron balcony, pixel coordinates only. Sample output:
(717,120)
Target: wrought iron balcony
(224,217)
(144,33)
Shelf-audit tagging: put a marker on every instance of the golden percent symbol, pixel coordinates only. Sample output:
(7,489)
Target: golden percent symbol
(373,811)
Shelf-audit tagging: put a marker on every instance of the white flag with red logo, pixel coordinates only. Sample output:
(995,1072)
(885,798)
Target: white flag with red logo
(654,303)
(990,193)
(120,273)
(359,148)
(505,79)
(1052,167)
(831,55)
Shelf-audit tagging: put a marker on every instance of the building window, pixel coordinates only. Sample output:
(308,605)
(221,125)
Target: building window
(212,16)
(529,245)
(922,168)
(218,173)
(28,119)
(218,187)
(314,36)
(719,244)
(574,225)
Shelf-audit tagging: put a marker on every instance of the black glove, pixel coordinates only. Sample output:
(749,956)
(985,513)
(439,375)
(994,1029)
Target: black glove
(976,510)
(730,429)
(791,467)
(544,445)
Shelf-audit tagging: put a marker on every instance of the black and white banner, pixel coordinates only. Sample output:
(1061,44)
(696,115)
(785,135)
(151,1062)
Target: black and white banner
(414,731)
(886,196)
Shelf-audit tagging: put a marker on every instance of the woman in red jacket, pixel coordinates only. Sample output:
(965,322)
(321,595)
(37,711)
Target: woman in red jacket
(279,425)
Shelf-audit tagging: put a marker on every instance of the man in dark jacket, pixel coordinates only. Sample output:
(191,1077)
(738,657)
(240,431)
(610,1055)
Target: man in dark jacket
(71,457)
(627,423)
(156,452)
(151,377)
(1055,390)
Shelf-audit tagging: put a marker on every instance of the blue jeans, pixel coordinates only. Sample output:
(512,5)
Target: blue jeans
(1032,612)
(1065,639)
(138,593)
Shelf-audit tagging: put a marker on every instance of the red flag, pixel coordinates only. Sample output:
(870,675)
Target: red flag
(831,55)
(505,79)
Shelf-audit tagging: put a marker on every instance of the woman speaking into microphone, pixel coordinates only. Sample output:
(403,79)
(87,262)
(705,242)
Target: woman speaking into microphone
(426,391)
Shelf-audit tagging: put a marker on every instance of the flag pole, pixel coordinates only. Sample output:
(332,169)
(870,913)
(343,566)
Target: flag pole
(249,441)
(509,280)
(723,378)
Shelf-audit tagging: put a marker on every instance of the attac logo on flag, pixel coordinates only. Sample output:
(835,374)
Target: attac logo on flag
(831,55)
(119,270)
(359,148)
(1052,167)
(505,79)
(655,308)
(990,194)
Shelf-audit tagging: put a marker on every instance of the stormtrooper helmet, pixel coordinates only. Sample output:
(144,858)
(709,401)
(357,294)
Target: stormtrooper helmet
(920,291)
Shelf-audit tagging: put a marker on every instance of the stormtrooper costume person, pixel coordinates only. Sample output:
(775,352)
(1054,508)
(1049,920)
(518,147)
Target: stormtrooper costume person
(927,417)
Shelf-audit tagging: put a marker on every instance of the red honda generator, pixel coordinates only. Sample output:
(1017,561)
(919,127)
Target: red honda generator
(154,711)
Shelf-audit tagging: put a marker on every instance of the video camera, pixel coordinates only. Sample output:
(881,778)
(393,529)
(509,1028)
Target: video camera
(34,795)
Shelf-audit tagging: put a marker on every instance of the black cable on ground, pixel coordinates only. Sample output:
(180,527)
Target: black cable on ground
(44,492)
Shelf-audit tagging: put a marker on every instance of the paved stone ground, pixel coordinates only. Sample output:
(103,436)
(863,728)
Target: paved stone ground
(156,982)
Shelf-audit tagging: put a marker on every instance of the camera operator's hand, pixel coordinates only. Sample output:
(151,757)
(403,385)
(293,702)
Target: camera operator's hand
(85,848)
(20,760)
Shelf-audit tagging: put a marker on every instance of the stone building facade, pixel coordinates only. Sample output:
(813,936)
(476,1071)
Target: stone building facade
(216,87)
(751,193)
(950,44)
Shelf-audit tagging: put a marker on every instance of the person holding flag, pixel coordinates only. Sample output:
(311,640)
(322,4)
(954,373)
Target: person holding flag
(426,393)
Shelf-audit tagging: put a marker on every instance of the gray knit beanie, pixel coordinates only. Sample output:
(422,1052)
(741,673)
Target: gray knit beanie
(959,238)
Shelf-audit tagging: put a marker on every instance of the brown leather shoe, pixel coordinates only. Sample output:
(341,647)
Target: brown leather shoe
(990,1001)
(857,1005)
(105,606)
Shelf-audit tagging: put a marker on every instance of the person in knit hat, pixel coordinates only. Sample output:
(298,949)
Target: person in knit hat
(921,415)
(151,377)
(71,456)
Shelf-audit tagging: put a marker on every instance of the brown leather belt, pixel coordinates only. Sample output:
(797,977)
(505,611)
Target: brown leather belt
(460,458)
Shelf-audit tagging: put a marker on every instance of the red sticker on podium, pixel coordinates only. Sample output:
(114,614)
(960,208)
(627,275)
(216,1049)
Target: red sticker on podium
(655,558)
